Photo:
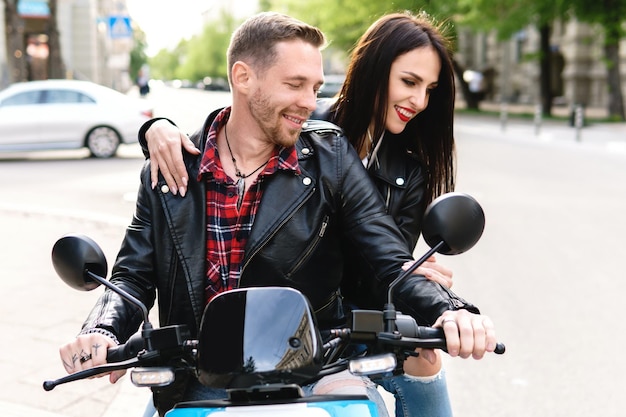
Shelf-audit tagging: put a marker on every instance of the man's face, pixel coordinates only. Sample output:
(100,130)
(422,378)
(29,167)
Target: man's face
(284,96)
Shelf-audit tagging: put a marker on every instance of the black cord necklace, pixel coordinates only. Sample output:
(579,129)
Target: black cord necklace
(241,177)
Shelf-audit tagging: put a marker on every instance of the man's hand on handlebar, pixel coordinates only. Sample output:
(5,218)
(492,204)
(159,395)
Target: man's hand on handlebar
(87,351)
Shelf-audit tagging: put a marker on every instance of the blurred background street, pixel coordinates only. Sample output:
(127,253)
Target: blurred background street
(548,269)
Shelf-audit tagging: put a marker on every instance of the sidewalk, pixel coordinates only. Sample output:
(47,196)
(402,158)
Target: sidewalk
(596,113)
(516,123)
(40,313)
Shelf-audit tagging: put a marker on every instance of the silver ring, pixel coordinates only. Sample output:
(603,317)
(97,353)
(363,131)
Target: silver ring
(447,320)
(85,358)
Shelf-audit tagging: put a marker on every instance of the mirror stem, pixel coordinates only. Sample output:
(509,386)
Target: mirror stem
(146,321)
(389,313)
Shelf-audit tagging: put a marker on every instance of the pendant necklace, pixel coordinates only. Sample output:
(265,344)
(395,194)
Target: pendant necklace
(241,178)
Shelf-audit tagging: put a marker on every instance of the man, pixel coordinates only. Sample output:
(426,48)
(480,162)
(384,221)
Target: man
(270,202)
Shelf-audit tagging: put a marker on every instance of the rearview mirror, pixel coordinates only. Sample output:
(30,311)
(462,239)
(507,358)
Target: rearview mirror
(73,255)
(456,219)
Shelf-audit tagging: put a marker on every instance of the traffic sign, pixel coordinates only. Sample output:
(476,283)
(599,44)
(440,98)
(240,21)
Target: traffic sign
(120,27)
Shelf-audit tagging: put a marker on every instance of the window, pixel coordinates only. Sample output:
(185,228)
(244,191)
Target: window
(66,96)
(23,99)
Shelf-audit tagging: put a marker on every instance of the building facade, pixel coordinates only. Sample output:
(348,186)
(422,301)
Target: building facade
(579,73)
(95,38)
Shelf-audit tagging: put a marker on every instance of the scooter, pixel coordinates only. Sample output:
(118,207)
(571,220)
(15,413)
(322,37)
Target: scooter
(263,356)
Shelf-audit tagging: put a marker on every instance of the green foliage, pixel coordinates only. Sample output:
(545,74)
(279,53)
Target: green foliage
(163,65)
(609,13)
(206,54)
(507,17)
(344,21)
(138,55)
(201,56)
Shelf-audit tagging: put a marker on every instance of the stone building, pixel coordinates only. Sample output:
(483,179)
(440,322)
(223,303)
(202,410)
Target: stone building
(95,37)
(579,74)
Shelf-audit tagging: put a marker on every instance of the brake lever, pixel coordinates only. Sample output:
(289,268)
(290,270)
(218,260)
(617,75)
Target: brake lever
(96,370)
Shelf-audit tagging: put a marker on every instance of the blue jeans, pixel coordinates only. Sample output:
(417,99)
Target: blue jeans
(341,385)
(417,396)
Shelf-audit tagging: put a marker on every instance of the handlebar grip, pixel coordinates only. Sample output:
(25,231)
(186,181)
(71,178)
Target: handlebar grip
(423,332)
(127,350)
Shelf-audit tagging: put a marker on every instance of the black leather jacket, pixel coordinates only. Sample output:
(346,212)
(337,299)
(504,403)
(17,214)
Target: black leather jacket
(296,241)
(399,177)
(401,180)
(303,225)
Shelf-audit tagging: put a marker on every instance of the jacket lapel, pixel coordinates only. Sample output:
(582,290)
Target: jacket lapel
(187,226)
(284,193)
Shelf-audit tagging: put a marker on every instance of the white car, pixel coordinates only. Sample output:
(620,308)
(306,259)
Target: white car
(69,114)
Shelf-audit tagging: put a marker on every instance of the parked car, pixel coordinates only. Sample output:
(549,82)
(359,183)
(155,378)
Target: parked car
(332,85)
(214,84)
(69,114)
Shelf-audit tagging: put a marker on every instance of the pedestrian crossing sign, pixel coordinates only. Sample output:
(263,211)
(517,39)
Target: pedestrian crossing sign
(119,27)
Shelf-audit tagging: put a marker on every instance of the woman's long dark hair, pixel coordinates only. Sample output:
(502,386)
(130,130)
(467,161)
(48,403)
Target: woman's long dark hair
(364,94)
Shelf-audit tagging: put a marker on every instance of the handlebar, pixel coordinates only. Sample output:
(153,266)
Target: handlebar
(426,338)
(127,350)
(171,342)
(164,344)
(367,328)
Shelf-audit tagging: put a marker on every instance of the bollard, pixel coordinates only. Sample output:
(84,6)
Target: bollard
(503,115)
(537,119)
(578,121)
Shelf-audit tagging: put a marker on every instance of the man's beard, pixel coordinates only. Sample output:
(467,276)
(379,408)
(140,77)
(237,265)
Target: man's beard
(269,119)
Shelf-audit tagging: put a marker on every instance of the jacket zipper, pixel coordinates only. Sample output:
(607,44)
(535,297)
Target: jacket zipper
(329,301)
(312,246)
(172,284)
(269,237)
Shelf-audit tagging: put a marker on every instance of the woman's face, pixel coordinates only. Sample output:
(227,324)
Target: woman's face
(412,77)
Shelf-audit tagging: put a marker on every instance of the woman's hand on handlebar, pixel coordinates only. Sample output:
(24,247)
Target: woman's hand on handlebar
(467,334)
(87,351)
(164,145)
(433,271)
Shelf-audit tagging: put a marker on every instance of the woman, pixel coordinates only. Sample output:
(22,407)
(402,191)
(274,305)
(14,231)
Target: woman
(396,107)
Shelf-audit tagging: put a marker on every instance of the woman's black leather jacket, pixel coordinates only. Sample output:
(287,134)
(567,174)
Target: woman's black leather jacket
(399,177)
(301,229)
(401,181)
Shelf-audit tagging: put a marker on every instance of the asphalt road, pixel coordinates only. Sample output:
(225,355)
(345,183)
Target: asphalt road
(548,268)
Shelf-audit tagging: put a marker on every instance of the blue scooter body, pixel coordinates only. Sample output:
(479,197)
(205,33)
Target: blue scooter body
(308,407)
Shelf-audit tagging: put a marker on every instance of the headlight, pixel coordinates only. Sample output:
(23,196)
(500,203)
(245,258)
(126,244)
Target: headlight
(373,364)
(152,377)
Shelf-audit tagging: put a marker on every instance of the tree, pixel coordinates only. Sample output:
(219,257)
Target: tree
(609,14)
(16,51)
(56,67)
(507,17)
(163,65)
(138,57)
(16,48)
(345,21)
(206,54)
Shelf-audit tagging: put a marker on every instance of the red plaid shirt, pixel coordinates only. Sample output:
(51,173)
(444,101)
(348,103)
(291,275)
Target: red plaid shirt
(228,229)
